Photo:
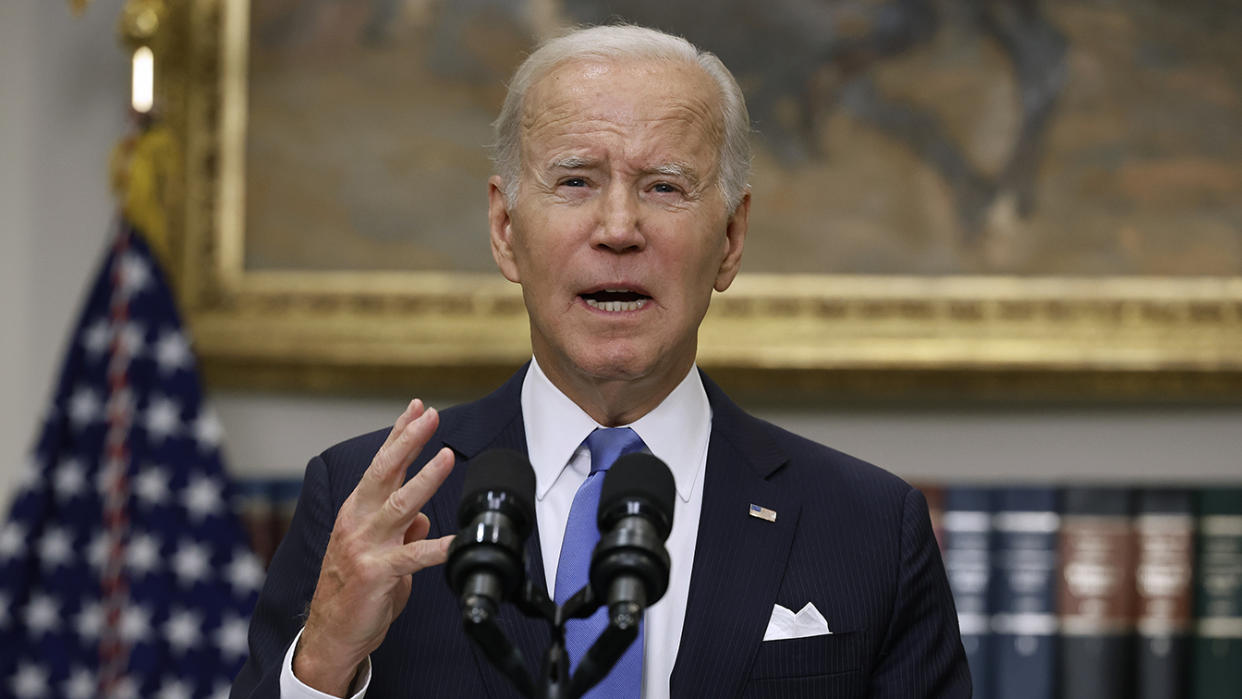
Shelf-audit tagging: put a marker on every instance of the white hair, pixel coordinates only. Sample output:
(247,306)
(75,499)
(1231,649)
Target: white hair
(622,41)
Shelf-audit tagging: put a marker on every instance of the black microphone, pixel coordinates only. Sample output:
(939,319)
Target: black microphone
(629,567)
(485,561)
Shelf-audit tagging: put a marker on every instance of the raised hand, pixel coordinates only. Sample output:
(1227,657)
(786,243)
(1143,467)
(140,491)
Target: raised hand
(378,541)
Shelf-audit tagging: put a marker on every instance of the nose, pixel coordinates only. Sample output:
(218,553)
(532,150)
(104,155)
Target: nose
(619,228)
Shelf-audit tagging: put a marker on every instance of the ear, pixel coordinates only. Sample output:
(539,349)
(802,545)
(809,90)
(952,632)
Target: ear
(500,226)
(735,239)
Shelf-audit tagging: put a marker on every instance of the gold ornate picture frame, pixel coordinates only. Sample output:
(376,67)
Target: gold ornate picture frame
(1060,336)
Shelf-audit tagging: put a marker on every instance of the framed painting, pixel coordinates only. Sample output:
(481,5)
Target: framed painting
(1001,196)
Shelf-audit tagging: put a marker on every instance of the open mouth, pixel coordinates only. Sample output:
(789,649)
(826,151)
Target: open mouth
(615,300)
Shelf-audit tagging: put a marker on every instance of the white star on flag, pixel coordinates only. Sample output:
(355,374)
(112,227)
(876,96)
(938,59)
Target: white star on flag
(97,550)
(55,548)
(135,623)
(42,615)
(172,352)
(183,630)
(97,337)
(174,689)
(208,431)
(163,419)
(84,407)
(134,274)
(231,637)
(202,497)
(245,573)
(89,620)
(142,555)
(190,562)
(12,540)
(80,685)
(70,479)
(151,485)
(30,682)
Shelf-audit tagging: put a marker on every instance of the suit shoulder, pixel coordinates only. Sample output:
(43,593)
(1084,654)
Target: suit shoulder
(360,448)
(817,463)
(349,458)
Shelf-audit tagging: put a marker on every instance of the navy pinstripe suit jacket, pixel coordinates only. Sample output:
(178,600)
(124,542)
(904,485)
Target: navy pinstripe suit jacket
(849,537)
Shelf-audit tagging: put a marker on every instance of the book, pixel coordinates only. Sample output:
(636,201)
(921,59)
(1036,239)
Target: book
(966,524)
(1165,526)
(1217,670)
(1022,593)
(1096,598)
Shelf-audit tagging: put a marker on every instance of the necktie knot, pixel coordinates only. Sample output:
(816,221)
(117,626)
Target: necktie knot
(607,444)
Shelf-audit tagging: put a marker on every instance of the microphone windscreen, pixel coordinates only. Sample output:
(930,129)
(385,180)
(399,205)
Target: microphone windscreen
(639,476)
(499,470)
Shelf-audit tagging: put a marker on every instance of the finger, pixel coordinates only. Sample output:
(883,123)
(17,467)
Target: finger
(412,411)
(403,505)
(418,530)
(417,555)
(386,471)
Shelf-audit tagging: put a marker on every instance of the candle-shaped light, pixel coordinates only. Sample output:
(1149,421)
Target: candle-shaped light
(143,87)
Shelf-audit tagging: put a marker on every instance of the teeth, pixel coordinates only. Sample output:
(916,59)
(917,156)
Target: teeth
(616,306)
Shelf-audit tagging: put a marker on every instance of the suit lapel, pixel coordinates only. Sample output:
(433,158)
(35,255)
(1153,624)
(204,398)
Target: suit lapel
(495,422)
(739,560)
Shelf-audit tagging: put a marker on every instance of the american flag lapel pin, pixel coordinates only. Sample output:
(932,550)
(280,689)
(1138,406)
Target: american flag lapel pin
(762,513)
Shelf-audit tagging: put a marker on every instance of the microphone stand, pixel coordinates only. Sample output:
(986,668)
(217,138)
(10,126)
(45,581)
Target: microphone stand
(479,619)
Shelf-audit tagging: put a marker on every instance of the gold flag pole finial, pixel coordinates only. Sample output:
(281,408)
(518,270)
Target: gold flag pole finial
(140,22)
(78,6)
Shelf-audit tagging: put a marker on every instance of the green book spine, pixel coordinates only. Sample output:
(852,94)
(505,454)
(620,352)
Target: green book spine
(1218,591)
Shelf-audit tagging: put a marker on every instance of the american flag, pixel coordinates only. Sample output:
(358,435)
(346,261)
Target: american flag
(123,570)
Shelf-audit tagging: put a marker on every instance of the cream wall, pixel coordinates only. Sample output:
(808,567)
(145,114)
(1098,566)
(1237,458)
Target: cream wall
(62,102)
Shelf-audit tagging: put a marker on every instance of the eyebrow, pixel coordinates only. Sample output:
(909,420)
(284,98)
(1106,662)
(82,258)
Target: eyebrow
(682,170)
(572,162)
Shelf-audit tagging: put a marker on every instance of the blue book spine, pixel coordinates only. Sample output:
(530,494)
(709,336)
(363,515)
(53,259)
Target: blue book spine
(967,526)
(1024,593)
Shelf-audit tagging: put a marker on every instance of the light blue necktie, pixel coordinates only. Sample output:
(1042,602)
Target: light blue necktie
(573,567)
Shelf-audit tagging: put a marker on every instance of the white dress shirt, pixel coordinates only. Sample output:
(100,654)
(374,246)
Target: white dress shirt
(676,432)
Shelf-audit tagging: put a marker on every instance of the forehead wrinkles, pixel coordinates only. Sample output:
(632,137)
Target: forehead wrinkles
(677,102)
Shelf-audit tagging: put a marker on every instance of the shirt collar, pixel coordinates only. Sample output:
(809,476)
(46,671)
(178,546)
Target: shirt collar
(676,431)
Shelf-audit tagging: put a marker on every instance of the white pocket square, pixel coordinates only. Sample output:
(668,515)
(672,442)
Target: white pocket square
(785,624)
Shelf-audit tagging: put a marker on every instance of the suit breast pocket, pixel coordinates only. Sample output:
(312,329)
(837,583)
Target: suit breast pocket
(830,654)
(810,668)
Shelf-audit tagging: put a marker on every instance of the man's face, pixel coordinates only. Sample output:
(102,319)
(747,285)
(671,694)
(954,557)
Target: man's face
(620,231)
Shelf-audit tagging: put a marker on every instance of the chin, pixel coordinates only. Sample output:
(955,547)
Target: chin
(616,361)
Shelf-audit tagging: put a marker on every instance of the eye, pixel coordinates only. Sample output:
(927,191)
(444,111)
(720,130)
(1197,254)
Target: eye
(573,182)
(665,188)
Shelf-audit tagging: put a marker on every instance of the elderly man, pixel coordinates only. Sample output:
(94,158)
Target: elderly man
(620,203)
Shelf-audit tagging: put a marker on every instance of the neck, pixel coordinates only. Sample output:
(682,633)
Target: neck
(613,402)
